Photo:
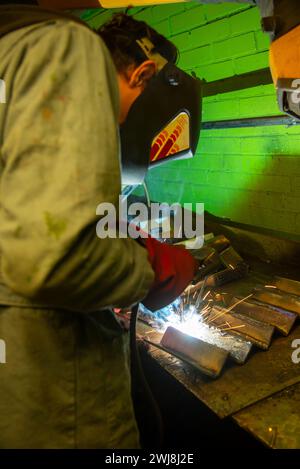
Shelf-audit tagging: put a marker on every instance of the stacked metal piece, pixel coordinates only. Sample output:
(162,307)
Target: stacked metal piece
(230,326)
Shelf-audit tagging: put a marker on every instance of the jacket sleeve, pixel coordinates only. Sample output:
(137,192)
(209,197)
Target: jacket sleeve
(60,160)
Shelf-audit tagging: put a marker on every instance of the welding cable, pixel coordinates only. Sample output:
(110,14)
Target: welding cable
(145,403)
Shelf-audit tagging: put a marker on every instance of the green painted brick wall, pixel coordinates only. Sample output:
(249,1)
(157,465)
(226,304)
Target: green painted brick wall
(248,175)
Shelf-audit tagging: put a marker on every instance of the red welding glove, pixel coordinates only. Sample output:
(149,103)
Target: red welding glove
(174,269)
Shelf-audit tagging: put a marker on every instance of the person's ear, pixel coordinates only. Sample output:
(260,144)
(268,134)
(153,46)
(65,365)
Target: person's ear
(142,74)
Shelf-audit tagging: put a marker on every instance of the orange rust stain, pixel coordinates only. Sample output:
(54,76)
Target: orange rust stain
(61,98)
(47,113)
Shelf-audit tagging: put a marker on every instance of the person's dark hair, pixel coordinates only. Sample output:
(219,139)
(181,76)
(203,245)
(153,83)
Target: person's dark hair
(120,35)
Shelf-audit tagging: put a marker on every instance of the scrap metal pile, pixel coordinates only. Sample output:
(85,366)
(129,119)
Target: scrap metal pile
(206,326)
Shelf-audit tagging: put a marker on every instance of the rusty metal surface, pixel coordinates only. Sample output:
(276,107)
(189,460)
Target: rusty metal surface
(244,286)
(207,358)
(146,332)
(231,258)
(275,420)
(282,320)
(279,299)
(256,332)
(241,287)
(264,374)
(287,285)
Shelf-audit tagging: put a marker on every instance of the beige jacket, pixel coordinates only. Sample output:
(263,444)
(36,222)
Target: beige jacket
(65,383)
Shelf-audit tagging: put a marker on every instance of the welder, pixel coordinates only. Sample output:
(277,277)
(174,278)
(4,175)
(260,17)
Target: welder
(66,380)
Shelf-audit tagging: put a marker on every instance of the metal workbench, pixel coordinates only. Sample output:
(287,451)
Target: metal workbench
(263,395)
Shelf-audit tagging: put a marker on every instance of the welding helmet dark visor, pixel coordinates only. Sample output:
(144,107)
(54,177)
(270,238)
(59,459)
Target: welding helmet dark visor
(163,123)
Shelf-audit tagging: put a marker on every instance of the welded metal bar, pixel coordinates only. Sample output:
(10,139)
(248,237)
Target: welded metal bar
(282,320)
(237,347)
(279,299)
(287,285)
(256,332)
(207,358)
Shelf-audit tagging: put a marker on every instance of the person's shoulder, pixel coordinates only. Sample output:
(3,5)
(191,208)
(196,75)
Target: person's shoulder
(68,26)
(53,30)
(78,34)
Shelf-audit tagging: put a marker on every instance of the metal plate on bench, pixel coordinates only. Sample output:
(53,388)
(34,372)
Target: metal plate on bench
(264,374)
(275,420)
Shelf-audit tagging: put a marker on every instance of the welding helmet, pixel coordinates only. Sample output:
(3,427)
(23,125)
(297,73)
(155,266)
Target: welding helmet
(164,121)
(281,20)
(284,64)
